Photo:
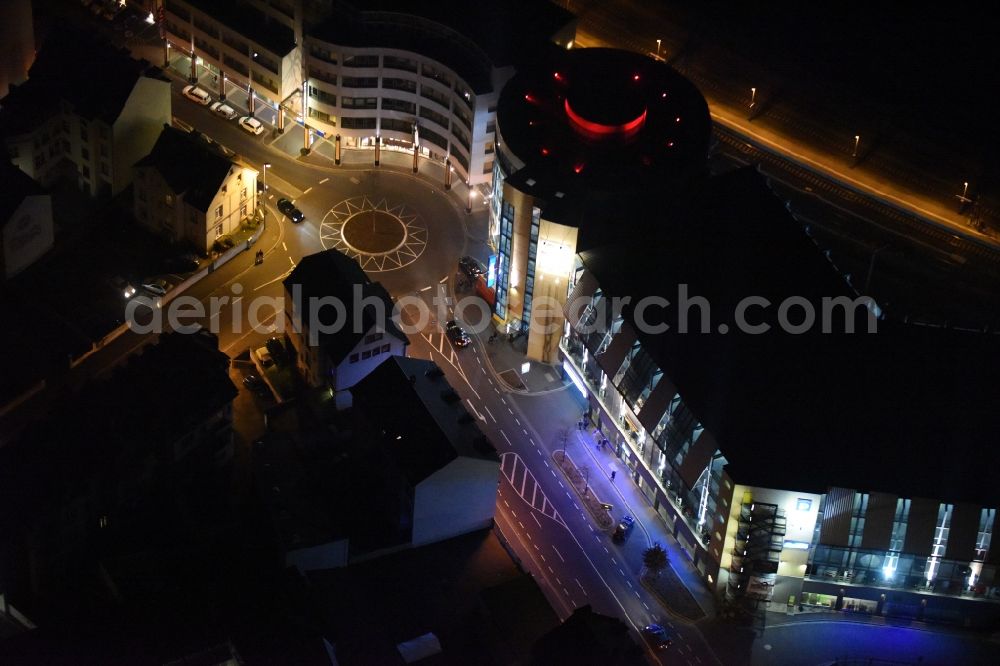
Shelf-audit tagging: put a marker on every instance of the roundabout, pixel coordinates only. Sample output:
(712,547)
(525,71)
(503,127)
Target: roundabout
(380,235)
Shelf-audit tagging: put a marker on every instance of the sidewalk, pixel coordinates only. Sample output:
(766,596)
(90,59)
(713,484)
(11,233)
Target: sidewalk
(507,361)
(627,498)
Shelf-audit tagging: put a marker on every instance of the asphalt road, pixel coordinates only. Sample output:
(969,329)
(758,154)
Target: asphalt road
(574,562)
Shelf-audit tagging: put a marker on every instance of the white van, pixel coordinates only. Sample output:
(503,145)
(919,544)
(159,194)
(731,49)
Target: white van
(196,94)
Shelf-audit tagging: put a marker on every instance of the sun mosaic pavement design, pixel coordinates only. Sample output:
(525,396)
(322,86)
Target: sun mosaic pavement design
(379,235)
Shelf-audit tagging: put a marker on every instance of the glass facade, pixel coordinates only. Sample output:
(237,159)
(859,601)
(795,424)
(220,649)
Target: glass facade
(529,281)
(896,569)
(504,259)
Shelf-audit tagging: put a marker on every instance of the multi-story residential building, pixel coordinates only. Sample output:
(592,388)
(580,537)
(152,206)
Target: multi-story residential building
(399,75)
(190,191)
(580,135)
(100,126)
(338,321)
(789,436)
(26,231)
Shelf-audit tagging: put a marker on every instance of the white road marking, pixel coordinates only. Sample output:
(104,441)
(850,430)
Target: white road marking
(621,572)
(559,554)
(506,437)
(536,519)
(291,262)
(323,181)
(614,561)
(644,604)
(526,432)
(427,287)
(546,463)
(284,246)
(517,420)
(444,279)
(307,191)
(521,524)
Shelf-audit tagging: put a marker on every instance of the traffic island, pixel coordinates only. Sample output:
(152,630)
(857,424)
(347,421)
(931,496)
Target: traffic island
(668,589)
(578,478)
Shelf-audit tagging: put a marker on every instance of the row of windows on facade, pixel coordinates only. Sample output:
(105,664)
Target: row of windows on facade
(394,62)
(216,32)
(389,83)
(400,105)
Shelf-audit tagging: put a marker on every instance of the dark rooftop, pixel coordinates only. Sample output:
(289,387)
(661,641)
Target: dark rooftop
(422,421)
(16,186)
(470,38)
(374,606)
(190,164)
(588,119)
(333,274)
(908,409)
(155,398)
(51,81)
(250,22)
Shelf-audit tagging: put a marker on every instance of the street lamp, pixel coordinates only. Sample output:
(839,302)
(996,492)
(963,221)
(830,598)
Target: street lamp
(472,193)
(658,48)
(753,97)
(266,166)
(857,140)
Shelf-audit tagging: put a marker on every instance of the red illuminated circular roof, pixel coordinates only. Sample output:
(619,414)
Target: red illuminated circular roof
(600,129)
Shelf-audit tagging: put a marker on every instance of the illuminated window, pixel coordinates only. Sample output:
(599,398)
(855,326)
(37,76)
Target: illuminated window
(803,504)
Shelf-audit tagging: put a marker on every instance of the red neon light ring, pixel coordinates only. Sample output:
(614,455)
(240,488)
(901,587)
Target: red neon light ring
(601,129)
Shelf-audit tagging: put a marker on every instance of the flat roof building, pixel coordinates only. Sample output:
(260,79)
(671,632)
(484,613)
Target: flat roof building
(769,414)
(580,136)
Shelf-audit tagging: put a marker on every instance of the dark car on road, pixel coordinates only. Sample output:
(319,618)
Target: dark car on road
(288,209)
(457,334)
(255,384)
(624,528)
(657,636)
(471,267)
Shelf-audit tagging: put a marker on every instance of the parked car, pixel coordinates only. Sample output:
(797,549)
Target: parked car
(276,348)
(224,110)
(288,209)
(196,94)
(156,287)
(623,529)
(457,334)
(251,125)
(185,263)
(255,384)
(657,636)
(471,267)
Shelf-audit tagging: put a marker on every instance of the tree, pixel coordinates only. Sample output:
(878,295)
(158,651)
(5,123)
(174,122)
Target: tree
(655,559)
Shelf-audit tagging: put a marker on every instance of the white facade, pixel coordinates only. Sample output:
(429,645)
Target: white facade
(375,347)
(457,499)
(163,211)
(26,235)
(364,93)
(101,154)
(276,76)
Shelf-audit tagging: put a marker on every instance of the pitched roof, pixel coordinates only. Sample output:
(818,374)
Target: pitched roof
(422,422)
(192,166)
(332,274)
(16,186)
(64,70)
